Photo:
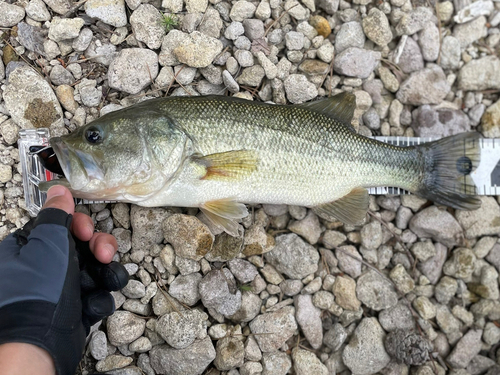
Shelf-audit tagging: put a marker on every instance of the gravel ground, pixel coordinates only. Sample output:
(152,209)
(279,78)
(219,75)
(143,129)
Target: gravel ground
(290,296)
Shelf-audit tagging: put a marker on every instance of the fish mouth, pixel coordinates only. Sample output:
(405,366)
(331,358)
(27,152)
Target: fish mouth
(78,167)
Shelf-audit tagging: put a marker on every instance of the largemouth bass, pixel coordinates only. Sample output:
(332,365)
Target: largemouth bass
(217,153)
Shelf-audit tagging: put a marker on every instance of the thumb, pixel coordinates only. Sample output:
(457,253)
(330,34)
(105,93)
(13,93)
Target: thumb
(60,197)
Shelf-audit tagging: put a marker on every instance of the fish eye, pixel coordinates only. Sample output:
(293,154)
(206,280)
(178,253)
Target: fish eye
(93,135)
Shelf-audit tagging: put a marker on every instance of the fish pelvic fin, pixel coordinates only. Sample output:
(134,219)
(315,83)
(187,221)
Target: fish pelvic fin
(350,209)
(225,213)
(339,107)
(448,165)
(228,166)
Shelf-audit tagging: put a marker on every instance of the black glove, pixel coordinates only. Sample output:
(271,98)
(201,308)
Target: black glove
(50,293)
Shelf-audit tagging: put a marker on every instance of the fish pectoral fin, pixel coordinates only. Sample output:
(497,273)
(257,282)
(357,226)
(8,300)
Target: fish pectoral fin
(350,209)
(225,214)
(231,165)
(339,107)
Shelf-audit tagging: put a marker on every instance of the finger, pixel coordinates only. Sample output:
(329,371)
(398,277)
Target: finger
(82,226)
(97,305)
(60,197)
(103,246)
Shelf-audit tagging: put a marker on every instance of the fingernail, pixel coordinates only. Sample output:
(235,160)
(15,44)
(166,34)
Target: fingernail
(55,191)
(90,230)
(110,249)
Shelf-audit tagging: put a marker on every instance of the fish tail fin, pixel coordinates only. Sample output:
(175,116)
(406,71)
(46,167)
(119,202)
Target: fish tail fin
(448,165)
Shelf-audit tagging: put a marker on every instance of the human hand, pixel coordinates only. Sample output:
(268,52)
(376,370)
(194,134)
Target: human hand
(56,277)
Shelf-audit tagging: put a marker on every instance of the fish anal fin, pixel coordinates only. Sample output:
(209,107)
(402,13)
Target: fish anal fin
(231,165)
(339,107)
(225,214)
(350,209)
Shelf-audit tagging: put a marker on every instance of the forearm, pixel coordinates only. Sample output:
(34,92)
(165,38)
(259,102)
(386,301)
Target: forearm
(25,359)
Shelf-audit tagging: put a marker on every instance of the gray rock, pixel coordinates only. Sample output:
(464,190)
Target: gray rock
(171,41)
(65,28)
(344,290)
(124,327)
(428,39)
(141,345)
(30,100)
(371,235)
(432,122)
(244,58)
(98,345)
(192,360)
(89,94)
(101,53)
(234,30)
(491,334)
(185,288)
(37,11)
(346,263)
(293,257)
(483,221)
(424,307)
(298,89)
(397,317)
(60,76)
(146,226)
(270,69)
(249,309)
(335,337)
(279,326)
(376,27)
(479,364)
(461,264)
(450,53)
(251,76)
(136,307)
(423,250)
(254,29)
(190,238)
(59,6)
(294,41)
(356,62)
(111,12)
(10,14)
(132,70)
(243,43)
(437,224)
(180,330)
(466,349)
(306,362)
(309,228)
(243,270)
(308,317)
(134,289)
(468,33)
(113,362)
(147,26)
(242,10)
(217,291)
(406,347)
(350,35)
(376,292)
(433,266)
(230,353)
(411,59)
(494,256)
(414,21)
(480,74)
(196,6)
(31,37)
(365,353)
(275,363)
(427,86)
(197,50)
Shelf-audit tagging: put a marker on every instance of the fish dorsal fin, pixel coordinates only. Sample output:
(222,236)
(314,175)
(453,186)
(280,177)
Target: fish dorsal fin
(350,209)
(225,214)
(230,165)
(339,107)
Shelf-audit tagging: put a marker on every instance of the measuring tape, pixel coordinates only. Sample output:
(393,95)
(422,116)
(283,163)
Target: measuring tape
(486,176)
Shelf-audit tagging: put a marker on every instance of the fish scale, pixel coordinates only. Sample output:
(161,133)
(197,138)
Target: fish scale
(291,160)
